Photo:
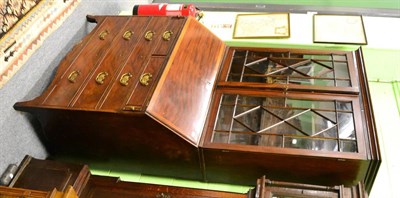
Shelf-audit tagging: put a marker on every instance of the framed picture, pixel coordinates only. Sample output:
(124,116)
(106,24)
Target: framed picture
(343,29)
(270,25)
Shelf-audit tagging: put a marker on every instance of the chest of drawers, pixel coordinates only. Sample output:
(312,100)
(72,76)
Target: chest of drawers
(169,93)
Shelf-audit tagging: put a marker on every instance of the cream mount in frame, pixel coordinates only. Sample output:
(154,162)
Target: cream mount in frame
(268,25)
(340,29)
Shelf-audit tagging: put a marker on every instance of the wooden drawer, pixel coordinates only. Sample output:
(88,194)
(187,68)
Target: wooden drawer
(169,35)
(140,62)
(142,90)
(87,59)
(104,75)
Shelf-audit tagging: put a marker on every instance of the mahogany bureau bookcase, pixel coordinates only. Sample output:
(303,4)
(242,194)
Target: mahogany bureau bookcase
(168,92)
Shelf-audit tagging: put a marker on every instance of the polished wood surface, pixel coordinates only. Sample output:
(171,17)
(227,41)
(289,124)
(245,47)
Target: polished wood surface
(168,120)
(102,187)
(112,62)
(63,91)
(182,97)
(46,175)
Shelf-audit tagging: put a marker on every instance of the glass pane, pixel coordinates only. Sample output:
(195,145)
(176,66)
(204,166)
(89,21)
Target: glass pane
(237,66)
(310,122)
(346,126)
(348,146)
(224,118)
(220,137)
(344,106)
(319,82)
(343,83)
(311,144)
(251,75)
(228,99)
(289,68)
(318,56)
(249,101)
(270,140)
(248,139)
(240,127)
(310,104)
(251,119)
(341,70)
(321,70)
(275,121)
(330,115)
(339,57)
(329,132)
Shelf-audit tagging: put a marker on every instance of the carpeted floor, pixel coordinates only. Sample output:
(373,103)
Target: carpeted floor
(18,131)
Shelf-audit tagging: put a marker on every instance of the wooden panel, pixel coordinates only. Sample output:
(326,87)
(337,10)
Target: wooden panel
(141,92)
(227,166)
(174,26)
(99,187)
(116,98)
(183,94)
(112,63)
(85,62)
(52,174)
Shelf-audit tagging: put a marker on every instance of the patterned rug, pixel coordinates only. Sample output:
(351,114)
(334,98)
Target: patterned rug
(24,25)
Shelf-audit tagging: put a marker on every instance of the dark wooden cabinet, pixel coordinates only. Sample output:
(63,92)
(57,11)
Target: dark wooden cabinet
(166,91)
(83,184)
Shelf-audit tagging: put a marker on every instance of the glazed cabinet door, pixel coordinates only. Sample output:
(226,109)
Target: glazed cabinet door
(290,69)
(291,113)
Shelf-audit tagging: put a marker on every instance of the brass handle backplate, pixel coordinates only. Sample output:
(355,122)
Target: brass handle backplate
(132,108)
(73,75)
(149,35)
(145,78)
(125,78)
(103,34)
(167,35)
(101,77)
(127,35)
(163,195)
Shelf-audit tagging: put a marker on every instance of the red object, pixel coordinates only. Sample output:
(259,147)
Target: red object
(164,9)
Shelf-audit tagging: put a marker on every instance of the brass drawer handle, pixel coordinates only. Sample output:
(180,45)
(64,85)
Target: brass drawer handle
(73,75)
(103,34)
(163,195)
(149,35)
(145,78)
(127,35)
(167,35)
(101,77)
(125,78)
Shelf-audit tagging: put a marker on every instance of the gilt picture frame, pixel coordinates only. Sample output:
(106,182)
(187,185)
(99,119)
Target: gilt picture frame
(339,29)
(268,25)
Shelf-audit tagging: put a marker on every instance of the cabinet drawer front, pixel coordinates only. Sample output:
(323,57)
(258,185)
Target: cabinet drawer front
(141,91)
(119,93)
(169,35)
(71,80)
(105,74)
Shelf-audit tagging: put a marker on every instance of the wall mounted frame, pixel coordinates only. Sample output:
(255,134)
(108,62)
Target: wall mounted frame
(269,25)
(343,29)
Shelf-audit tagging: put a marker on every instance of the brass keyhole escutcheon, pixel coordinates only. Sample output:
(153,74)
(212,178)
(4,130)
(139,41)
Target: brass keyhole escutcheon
(125,78)
(145,78)
(167,35)
(149,35)
(101,77)
(73,75)
(127,35)
(103,34)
